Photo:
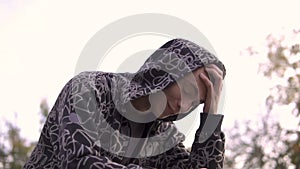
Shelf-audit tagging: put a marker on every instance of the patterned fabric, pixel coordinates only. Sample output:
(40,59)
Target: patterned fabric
(88,126)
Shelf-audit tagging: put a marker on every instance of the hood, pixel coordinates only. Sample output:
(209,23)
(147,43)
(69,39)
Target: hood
(165,66)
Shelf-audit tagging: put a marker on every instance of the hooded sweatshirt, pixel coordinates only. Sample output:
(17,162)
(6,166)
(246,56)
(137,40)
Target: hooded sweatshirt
(90,128)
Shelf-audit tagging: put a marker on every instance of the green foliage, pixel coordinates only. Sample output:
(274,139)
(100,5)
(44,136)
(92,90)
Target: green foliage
(16,152)
(284,62)
(44,111)
(14,149)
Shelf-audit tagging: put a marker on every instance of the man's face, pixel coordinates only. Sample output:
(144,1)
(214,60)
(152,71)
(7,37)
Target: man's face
(180,97)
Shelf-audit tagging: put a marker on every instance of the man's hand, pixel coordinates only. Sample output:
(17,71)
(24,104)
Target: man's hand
(213,82)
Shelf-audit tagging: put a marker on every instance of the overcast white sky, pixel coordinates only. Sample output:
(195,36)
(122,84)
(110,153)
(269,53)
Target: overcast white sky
(40,42)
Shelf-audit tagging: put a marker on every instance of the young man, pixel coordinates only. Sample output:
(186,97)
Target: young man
(123,120)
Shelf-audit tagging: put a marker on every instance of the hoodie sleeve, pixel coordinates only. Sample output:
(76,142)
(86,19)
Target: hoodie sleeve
(209,146)
(207,150)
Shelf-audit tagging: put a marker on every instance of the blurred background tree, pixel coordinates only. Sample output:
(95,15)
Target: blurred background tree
(284,62)
(264,143)
(44,111)
(14,149)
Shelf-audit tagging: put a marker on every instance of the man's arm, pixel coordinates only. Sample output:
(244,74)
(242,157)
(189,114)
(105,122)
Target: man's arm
(207,152)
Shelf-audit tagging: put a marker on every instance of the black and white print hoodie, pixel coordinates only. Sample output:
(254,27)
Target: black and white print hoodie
(88,127)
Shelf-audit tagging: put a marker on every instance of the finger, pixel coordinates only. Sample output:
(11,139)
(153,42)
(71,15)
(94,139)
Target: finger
(208,97)
(214,77)
(207,82)
(215,67)
(214,72)
(221,86)
(220,72)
